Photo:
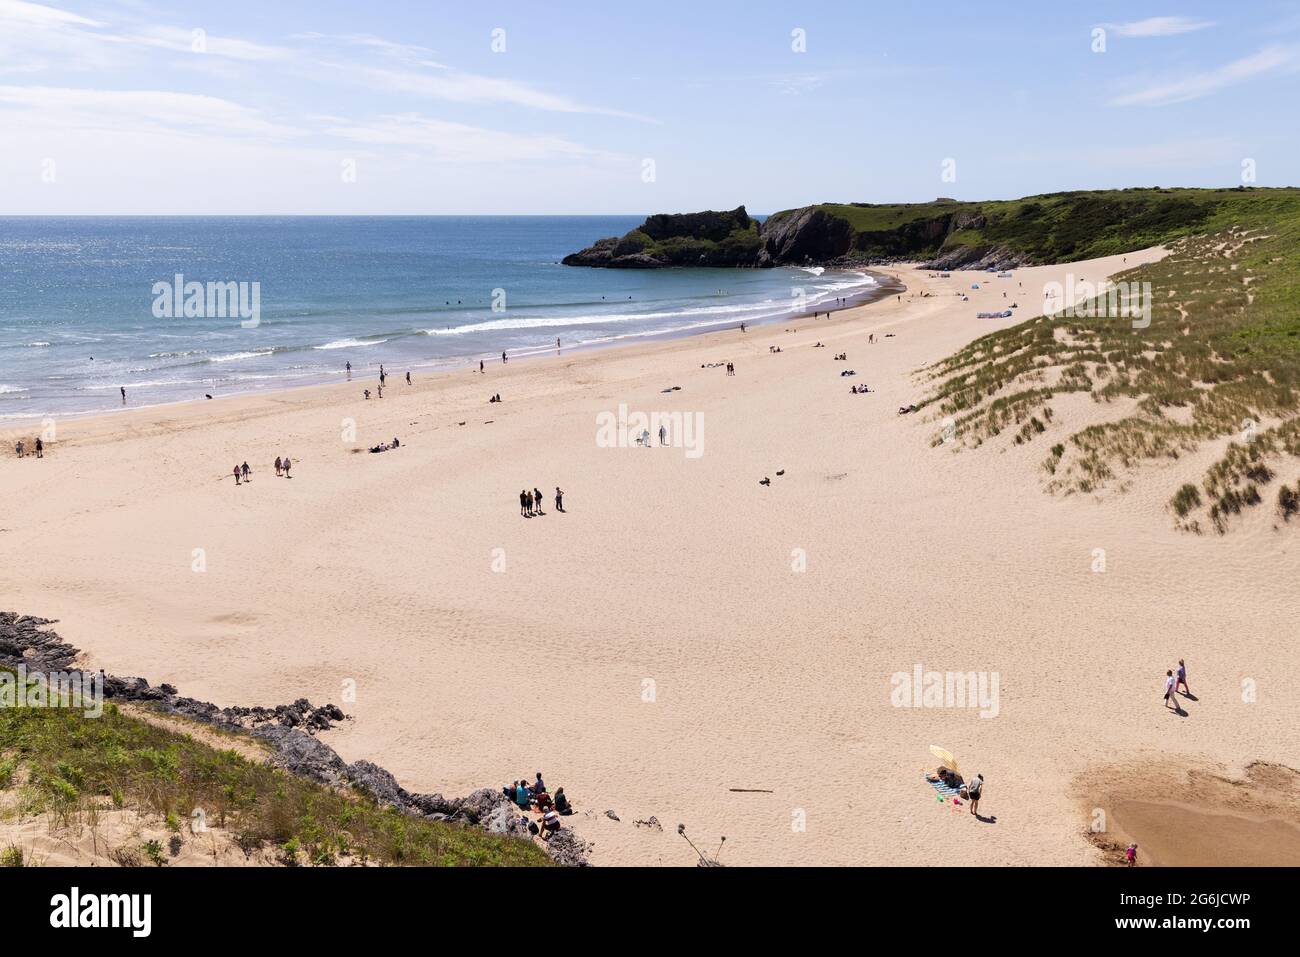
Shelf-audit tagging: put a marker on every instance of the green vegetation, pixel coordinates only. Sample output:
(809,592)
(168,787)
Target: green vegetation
(687,239)
(1054,227)
(1219,362)
(71,766)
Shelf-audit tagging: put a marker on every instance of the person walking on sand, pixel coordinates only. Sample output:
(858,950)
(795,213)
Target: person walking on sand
(537,499)
(503,357)
(18,447)
(244,468)
(480,365)
(286,466)
(559,499)
(1169,690)
(663,435)
(348,366)
(408,378)
(277,466)
(1182,666)
(1131,855)
(40,448)
(236,470)
(122,389)
(975,791)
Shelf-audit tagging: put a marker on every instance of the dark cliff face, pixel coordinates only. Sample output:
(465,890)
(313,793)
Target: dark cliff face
(709,238)
(804,237)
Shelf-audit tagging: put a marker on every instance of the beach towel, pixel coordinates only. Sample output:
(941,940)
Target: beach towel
(942,789)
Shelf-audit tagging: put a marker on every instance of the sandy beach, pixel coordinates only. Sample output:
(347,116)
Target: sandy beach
(682,642)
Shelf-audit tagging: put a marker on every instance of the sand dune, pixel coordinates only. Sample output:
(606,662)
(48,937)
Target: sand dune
(654,647)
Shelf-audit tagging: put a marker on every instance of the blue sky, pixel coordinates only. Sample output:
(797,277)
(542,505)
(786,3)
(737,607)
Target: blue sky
(139,107)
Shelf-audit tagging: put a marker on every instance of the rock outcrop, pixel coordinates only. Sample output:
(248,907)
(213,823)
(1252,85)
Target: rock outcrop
(709,238)
(288,730)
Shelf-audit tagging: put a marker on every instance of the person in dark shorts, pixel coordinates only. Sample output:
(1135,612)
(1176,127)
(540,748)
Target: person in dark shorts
(975,791)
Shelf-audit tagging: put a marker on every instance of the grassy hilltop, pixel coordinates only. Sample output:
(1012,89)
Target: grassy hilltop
(1054,227)
(1218,367)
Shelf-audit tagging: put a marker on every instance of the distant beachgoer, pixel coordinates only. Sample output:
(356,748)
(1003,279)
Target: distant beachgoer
(236,470)
(277,466)
(286,464)
(18,447)
(559,499)
(528,500)
(1169,689)
(523,503)
(1182,667)
(539,786)
(366,393)
(244,468)
(40,448)
(550,824)
(348,365)
(480,365)
(1131,855)
(523,797)
(122,389)
(381,388)
(408,378)
(562,802)
(663,435)
(974,791)
(537,499)
(543,801)
(742,327)
(396,444)
(557,343)
(503,357)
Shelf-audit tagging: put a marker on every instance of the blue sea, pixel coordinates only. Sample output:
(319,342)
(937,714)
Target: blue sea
(79,314)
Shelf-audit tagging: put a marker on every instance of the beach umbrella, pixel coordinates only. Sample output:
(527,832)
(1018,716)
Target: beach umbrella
(945,757)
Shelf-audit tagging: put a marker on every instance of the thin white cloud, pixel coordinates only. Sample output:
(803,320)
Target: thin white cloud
(14,12)
(46,107)
(460,143)
(200,42)
(1158,27)
(1198,85)
(454,86)
(403,51)
(796,84)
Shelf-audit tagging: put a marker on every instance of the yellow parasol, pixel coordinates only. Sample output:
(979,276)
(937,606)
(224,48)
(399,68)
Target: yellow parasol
(946,758)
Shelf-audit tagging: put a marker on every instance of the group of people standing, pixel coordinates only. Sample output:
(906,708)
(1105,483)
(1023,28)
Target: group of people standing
(530,503)
(38,445)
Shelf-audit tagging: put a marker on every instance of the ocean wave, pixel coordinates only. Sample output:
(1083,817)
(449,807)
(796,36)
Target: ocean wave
(766,308)
(349,343)
(37,345)
(11,389)
(235,356)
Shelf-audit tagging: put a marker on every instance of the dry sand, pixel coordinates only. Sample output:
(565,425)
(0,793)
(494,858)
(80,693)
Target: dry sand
(386,570)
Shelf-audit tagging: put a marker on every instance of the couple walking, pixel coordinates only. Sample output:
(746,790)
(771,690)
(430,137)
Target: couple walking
(1175,681)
